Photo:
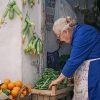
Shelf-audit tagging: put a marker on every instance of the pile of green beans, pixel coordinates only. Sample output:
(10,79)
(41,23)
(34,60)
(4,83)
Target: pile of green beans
(46,78)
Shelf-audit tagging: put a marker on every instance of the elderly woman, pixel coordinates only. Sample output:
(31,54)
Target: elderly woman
(84,61)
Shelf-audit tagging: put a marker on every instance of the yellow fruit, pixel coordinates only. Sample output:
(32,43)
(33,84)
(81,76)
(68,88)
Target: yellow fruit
(4,86)
(11,86)
(14,93)
(24,92)
(7,81)
(29,88)
(16,88)
(19,84)
(0,91)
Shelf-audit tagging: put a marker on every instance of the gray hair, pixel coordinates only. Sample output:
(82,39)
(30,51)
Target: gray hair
(62,24)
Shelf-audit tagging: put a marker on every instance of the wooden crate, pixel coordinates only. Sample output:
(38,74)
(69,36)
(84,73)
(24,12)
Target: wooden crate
(51,94)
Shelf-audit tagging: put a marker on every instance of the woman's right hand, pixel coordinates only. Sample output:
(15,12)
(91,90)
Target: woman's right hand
(53,83)
(57,81)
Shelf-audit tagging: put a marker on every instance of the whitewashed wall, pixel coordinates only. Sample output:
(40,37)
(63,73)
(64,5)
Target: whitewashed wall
(14,64)
(10,46)
(30,64)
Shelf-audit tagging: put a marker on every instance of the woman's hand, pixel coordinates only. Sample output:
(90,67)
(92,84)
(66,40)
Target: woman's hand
(57,81)
(53,83)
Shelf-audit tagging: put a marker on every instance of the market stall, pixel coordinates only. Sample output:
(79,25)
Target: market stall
(31,57)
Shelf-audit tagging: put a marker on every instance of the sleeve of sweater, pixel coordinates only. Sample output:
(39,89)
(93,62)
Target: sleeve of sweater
(82,47)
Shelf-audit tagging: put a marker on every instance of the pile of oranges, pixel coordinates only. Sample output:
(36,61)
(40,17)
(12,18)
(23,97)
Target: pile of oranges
(14,88)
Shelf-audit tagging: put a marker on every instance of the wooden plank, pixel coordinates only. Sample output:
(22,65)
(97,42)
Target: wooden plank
(34,97)
(61,91)
(42,92)
(61,96)
(49,92)
(65,90)
(54,89)
(40,97)
(52,92)
(46,98)
(53,98)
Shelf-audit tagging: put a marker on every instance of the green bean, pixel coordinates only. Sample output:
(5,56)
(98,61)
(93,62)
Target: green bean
(46,78)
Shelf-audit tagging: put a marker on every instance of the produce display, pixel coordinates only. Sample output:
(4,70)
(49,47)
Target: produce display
(28,28)
(12,89)
(11,9)
(30,2)
(46,78)
(35,46)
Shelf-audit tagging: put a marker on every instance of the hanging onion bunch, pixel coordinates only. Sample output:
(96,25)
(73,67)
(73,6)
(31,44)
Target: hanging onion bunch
(34,47)
(11,9)
(30,2)
(27,28)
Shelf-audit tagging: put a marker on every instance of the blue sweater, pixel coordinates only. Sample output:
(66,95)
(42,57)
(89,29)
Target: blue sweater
(85,45)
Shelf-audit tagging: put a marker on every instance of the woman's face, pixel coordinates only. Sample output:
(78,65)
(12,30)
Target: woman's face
(65,36)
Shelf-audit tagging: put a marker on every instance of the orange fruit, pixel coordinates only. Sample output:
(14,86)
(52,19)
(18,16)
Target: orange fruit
(0,91)
(16,88)
(14,93)
(11,97)
(4,86)
(29,90)
(11,86)
(24,92)
(7,81)
(23,85)
(19,84)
